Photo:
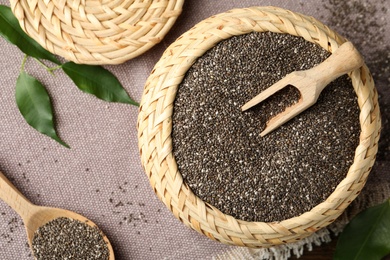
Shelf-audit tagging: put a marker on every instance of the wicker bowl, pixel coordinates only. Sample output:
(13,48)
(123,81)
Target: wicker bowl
(97,32)
(155,128)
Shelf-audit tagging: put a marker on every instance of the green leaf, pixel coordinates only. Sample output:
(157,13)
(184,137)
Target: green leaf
(34,104)
(97,81)
(367,236)
(13,33)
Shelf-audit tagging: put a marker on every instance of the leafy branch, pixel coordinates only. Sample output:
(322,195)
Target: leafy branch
(367,236)
(32,97)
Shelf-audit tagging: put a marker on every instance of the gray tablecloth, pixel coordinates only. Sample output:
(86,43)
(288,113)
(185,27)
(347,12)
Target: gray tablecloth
(101,176)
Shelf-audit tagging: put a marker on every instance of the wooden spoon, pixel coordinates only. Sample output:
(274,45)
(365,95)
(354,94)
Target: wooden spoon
(310,83)
(36,216)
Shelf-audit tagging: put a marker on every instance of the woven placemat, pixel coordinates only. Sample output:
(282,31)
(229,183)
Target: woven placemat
(97,32)
(155,127)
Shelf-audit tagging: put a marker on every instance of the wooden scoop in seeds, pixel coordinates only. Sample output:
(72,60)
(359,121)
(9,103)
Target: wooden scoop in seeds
(36,216)
(310,83)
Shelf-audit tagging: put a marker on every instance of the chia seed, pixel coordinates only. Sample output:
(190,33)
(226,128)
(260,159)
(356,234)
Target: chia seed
(218,148)
(66,238)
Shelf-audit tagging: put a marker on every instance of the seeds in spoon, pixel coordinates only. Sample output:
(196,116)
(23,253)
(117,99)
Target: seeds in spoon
(66,238)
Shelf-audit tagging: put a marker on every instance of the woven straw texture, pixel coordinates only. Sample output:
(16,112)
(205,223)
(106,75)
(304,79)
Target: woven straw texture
(97,32)
(155,126)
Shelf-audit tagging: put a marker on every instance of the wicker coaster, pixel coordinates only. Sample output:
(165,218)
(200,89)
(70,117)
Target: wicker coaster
(155,128)
(97,32)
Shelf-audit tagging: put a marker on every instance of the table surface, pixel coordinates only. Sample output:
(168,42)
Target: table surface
(101,176)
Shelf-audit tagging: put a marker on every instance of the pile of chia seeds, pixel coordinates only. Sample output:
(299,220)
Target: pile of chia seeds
(218,148)
(66,238)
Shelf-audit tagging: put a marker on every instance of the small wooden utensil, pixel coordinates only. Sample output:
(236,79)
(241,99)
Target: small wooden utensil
(310,83)
(36,216)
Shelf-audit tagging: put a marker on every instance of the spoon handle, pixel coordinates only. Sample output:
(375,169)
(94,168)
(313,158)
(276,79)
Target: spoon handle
(14,198)
(343,60)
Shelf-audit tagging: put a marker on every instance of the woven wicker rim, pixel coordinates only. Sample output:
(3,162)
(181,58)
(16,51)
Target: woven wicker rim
(97,32)
(155,127)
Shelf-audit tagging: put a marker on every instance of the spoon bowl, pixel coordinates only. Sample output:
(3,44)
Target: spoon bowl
(34,216)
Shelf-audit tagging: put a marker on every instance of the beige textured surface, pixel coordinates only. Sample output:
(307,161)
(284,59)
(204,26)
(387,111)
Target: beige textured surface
(103,137)
(97,32)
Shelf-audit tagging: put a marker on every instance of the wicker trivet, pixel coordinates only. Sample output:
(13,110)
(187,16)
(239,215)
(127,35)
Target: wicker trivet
(97,32)
(155,128)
